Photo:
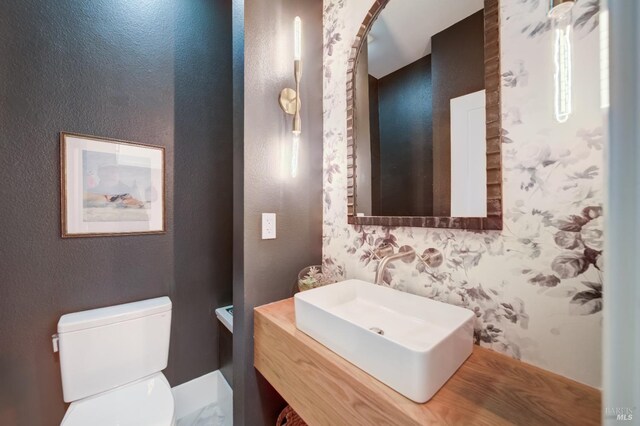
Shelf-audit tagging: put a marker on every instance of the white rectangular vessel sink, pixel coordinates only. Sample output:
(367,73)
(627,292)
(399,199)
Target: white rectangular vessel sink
(410,343)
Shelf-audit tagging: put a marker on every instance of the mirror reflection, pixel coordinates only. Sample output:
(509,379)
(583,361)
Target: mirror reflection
(420,111)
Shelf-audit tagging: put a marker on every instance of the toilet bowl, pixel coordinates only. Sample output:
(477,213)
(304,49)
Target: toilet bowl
(145,402)
(111,361)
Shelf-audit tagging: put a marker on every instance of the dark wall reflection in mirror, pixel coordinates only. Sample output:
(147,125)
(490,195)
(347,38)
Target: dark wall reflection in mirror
(420,111)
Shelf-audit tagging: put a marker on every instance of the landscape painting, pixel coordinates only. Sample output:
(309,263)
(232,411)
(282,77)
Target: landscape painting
(111,187)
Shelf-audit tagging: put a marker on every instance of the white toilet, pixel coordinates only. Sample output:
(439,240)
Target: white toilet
(111,361)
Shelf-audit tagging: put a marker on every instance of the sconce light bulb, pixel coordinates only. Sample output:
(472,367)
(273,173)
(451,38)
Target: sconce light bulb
(297,39)
(562,52)
(604,59)
(295,148)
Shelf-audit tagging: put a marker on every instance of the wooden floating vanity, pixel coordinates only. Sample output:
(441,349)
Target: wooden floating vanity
(489,388)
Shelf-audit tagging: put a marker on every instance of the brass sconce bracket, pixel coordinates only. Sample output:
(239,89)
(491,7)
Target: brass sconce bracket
(290,98)
(288,101)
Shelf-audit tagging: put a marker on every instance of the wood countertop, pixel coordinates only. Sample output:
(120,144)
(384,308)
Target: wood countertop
(489,388)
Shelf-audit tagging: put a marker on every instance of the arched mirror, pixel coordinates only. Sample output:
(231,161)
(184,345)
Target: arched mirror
(423,115)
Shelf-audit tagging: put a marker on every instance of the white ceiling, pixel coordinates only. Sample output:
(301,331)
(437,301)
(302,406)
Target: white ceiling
(402,33)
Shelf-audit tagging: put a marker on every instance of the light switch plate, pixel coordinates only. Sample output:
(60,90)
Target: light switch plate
(268,226)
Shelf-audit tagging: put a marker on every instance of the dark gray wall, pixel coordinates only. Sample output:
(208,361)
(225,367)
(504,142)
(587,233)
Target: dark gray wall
(238,353)
(154,72)
(225,352)
(374,139)
(406,141)
(270,267)
(457,68)
(203,198)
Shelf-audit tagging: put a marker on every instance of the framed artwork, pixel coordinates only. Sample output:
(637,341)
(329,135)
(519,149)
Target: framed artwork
(110,187)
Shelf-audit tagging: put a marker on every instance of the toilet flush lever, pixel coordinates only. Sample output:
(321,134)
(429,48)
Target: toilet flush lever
(54,340)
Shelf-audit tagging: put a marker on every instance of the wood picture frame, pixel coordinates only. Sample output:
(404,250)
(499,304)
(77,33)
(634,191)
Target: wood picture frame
(111,187)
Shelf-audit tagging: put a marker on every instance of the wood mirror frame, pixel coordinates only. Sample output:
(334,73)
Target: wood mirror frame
(493,220)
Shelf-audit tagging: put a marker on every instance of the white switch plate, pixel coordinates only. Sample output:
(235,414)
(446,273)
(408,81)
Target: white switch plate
(268,226)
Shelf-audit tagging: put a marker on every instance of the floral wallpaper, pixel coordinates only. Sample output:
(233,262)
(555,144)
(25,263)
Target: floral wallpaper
(536,286)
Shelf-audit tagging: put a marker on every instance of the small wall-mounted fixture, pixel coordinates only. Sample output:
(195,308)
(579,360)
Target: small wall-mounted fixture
(384,253)
(560,7)
(560,14)
(290,98)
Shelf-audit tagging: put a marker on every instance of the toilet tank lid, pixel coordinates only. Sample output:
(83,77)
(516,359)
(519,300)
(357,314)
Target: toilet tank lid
(112,314)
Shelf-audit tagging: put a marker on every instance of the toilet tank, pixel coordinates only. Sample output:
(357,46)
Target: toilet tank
(104,348)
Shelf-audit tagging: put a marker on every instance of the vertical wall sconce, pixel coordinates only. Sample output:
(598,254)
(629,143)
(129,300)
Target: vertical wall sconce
(560,15)
(290,98)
